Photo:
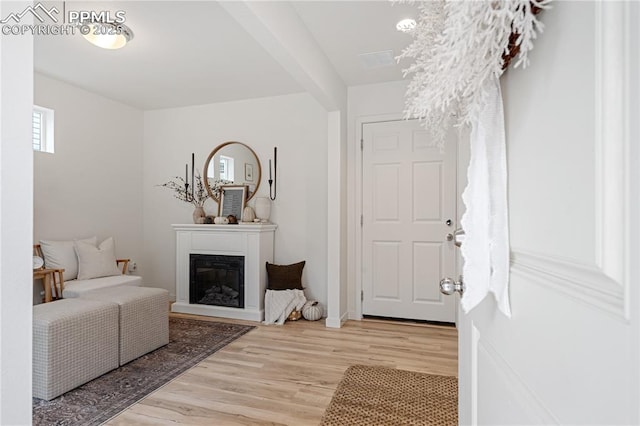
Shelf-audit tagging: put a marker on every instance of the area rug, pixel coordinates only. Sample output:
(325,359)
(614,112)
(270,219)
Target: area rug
(371,395)
(190,341)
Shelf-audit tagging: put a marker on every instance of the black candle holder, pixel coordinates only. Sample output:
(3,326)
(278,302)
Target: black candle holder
(188,196)
(273,182)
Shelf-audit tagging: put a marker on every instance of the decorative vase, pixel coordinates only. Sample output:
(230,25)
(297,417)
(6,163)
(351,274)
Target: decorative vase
(248,214)
(312,311)
(263,208)
(199,215)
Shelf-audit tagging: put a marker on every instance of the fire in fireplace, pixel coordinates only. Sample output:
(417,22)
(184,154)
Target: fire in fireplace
(216,280)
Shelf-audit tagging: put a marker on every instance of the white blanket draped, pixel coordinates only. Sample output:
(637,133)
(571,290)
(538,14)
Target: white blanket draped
(278,304)
(486,223)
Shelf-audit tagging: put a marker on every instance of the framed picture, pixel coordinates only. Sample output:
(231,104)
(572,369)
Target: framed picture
(232,200)
(248,172)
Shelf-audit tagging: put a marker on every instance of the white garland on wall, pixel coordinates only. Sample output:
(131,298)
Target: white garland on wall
(459,45)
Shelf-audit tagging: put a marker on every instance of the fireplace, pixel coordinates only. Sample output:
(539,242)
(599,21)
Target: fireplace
(216,280)
(207,254)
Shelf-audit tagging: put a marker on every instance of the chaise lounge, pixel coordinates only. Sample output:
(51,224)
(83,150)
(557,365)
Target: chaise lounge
(106,319)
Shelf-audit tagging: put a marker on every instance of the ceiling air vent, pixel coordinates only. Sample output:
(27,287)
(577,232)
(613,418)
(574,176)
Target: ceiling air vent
(377,59)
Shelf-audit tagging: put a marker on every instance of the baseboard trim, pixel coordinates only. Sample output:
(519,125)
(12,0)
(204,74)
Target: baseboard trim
(336,322)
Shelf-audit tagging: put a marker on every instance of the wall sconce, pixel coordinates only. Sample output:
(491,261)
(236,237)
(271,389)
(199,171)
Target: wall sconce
(272,181)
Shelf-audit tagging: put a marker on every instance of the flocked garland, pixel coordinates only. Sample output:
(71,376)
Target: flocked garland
(457,46)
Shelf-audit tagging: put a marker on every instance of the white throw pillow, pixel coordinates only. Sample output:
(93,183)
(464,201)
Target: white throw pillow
(96,262)
(62,255)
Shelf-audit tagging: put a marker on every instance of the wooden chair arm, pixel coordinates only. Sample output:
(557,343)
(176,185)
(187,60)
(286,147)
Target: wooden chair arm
(124,267)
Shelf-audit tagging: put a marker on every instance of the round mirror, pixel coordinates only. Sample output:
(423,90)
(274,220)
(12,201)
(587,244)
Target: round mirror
(232,163)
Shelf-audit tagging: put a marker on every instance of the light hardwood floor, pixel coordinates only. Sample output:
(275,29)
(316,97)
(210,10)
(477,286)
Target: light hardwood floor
(287,374)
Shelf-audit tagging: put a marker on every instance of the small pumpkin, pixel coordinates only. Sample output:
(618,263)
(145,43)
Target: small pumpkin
(221,220)
(312,311)
(294,315)
(248,214)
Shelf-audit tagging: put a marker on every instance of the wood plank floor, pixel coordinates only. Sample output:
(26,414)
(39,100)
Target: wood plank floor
(286,375)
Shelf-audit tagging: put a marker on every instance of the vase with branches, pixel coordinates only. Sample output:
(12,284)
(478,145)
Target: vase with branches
(193,194)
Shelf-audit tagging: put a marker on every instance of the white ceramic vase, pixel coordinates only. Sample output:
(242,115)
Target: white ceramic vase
(199,215)
(263,208)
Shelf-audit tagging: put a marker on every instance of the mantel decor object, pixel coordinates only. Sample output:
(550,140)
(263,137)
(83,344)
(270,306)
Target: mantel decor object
(221,220)
(248,214)
(199,215)
(233,200)
(263,209)
(193,193)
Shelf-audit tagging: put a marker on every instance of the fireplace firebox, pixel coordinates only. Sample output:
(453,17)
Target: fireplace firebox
(216,280)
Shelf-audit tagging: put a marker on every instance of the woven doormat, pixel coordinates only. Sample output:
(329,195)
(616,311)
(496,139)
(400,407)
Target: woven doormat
(370,395)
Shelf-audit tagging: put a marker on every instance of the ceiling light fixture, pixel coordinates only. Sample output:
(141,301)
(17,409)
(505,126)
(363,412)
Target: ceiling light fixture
(107,35)
(406,25)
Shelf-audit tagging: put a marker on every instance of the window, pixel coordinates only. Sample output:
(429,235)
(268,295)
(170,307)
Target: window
(42,129)
(226,168)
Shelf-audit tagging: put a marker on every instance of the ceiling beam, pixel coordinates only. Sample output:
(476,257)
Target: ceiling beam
(279,30)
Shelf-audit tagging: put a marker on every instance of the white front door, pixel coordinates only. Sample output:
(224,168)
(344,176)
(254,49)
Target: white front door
(409,207)
(569,354)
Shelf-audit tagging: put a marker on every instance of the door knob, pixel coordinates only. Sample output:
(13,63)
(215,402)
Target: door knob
(458,237)
(448,286)
(449,237)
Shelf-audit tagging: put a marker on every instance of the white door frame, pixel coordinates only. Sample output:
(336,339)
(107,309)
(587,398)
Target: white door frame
(356,242)
(357,187)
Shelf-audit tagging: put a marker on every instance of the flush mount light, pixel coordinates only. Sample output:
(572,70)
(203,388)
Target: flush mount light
(406,25)
(106,34)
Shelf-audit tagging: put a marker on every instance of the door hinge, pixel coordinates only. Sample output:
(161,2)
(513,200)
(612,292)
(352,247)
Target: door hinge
(362,295)
(361,220)
(361,144)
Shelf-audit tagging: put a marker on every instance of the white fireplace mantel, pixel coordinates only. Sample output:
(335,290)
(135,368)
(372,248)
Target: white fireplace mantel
(253,241)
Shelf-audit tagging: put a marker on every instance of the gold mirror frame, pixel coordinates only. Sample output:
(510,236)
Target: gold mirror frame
(241,182)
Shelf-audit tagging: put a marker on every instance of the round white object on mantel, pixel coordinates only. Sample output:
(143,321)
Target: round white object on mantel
(221,220)
(312,310)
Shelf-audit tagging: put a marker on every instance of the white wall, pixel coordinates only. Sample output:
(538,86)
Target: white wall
(16,209)
(92,184)
(296,124)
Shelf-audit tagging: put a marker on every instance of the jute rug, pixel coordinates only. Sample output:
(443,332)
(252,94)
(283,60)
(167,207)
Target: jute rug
(190,341)
(385,396)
